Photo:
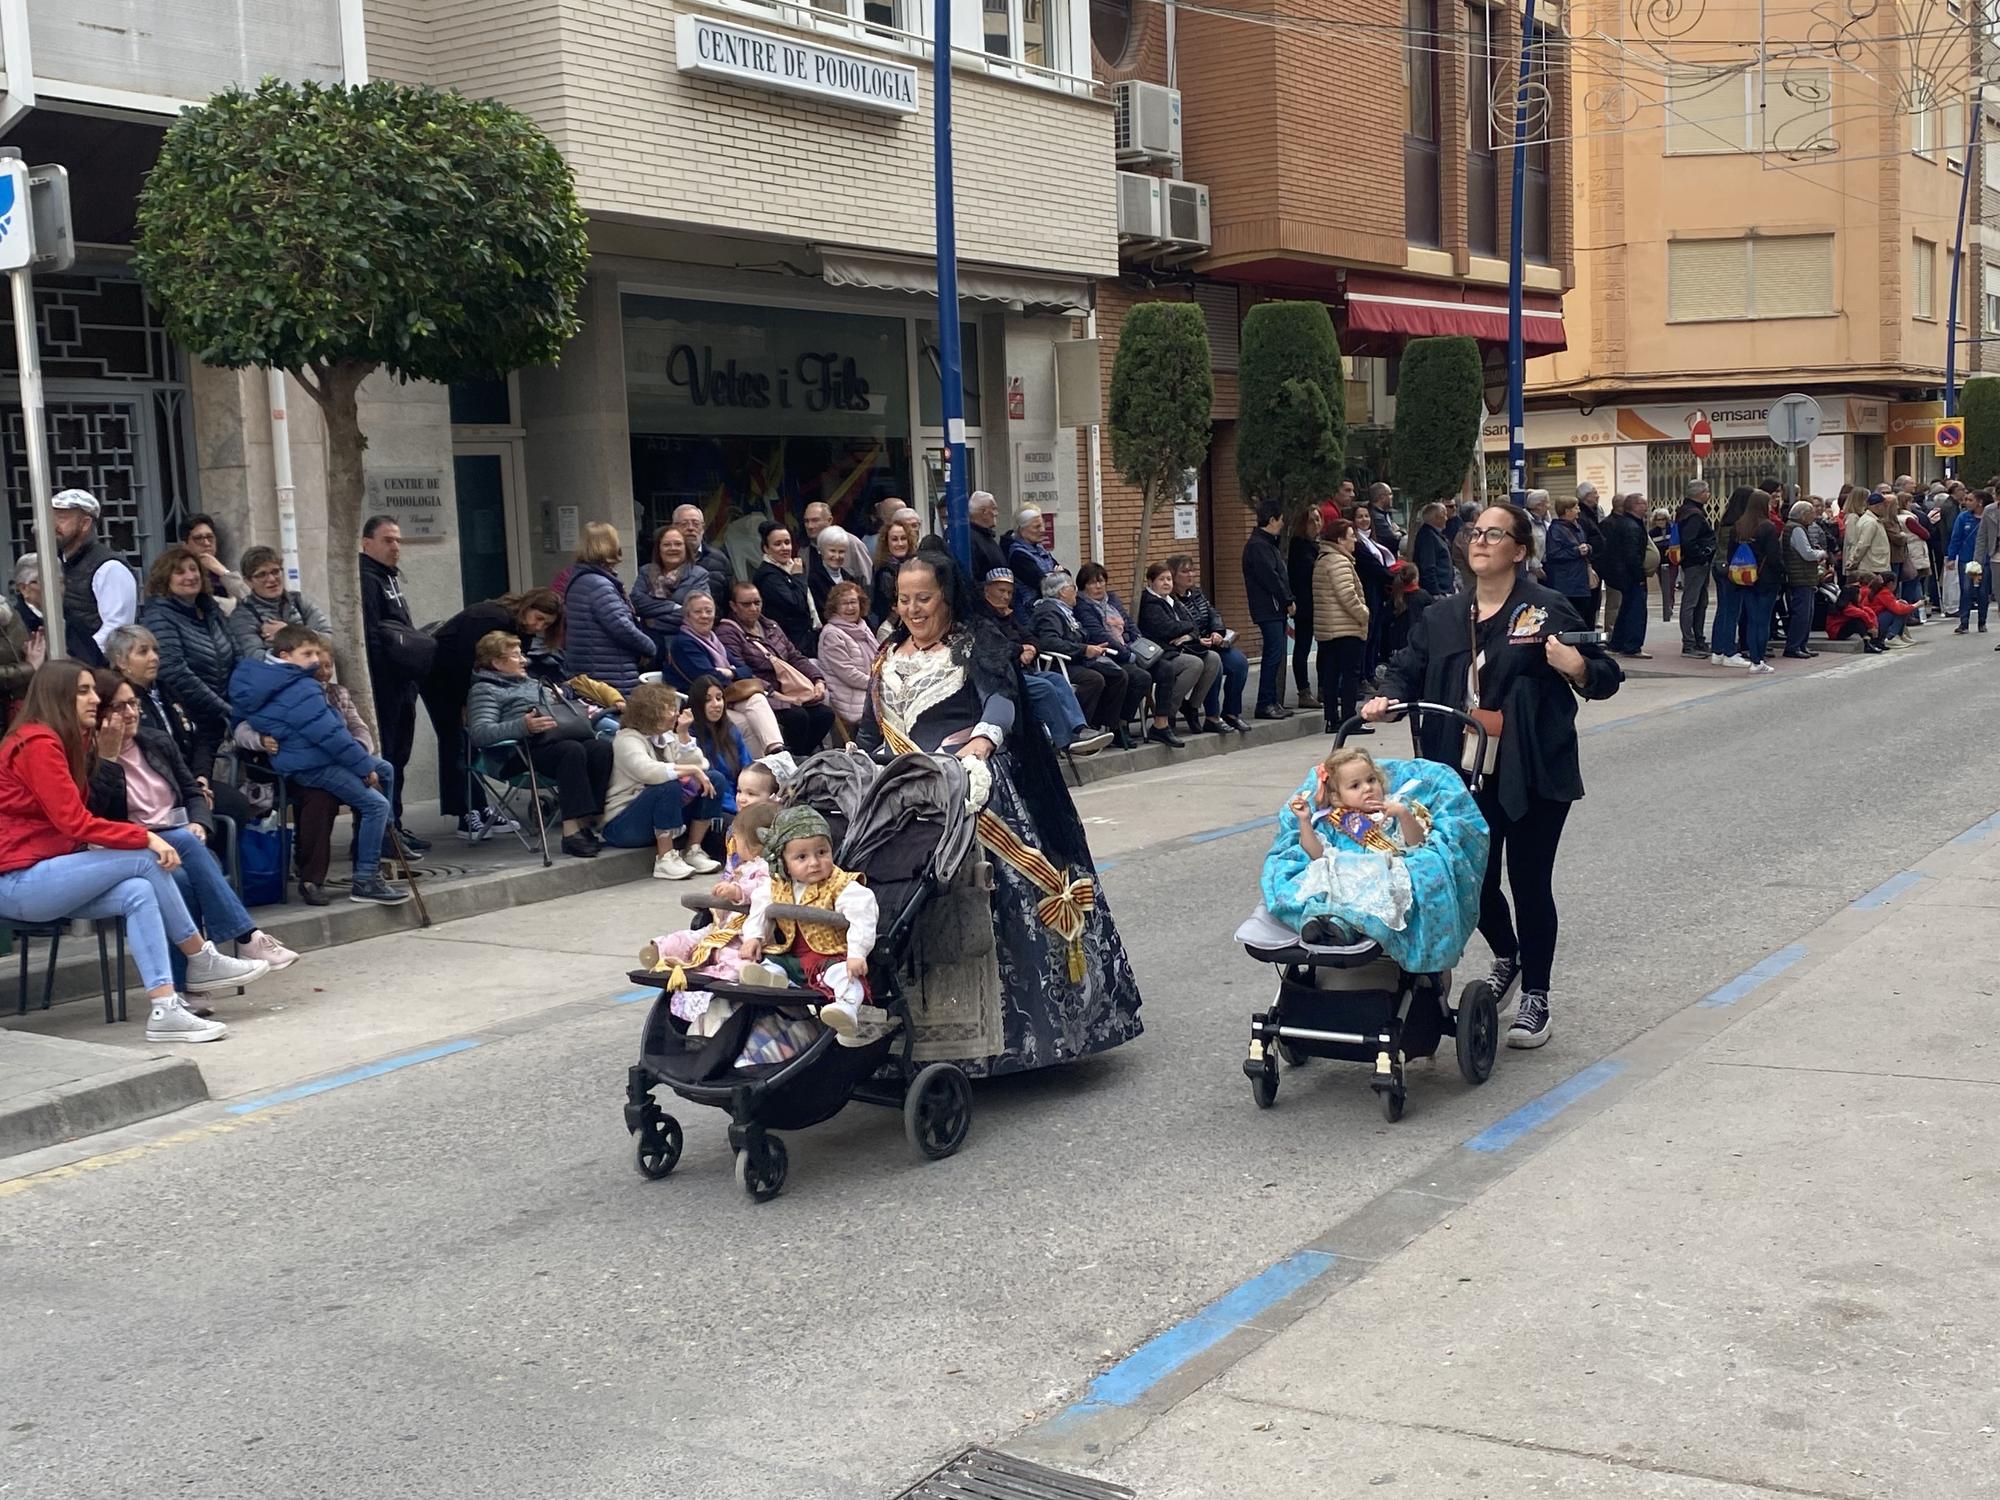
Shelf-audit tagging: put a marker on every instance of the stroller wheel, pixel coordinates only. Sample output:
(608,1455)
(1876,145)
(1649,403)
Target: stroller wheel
(1264,1084)
(1292,1057)
(937,1111)
(760,1167)
(1478,1032)
(659,1148)
(1392,1104)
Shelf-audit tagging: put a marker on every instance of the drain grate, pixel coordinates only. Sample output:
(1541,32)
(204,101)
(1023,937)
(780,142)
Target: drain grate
(982,1474)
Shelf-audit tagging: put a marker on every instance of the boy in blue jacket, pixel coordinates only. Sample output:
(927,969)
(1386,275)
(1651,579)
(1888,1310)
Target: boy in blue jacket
(282,698)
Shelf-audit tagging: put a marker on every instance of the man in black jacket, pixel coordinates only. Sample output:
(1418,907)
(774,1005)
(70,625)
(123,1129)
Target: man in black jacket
(1621,563)
(1697,559)
(1267,584)
(395,685)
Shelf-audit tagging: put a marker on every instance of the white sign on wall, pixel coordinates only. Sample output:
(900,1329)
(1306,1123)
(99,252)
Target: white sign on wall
(1598,466)
(413,499)
(1184,522)
(1826,470)
(1631,468)
(763,59)
(1036,478)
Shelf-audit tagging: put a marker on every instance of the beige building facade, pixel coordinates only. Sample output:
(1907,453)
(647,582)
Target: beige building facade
(1750,222)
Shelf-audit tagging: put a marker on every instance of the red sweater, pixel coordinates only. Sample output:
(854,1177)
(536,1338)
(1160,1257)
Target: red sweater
(1841,614)
(41,811)
(1884,598)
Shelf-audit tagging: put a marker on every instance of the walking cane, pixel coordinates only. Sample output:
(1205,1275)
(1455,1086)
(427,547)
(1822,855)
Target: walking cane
(535,797)
(410,874)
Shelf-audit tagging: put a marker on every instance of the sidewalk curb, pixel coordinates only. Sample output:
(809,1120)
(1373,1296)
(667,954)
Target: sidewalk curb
(103,1101)
(1108,765)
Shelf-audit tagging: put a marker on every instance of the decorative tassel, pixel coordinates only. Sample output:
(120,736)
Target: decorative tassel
(1076,961)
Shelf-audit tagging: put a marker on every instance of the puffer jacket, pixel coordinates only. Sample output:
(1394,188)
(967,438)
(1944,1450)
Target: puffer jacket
(289,704)
(196,654)
(1340,611)
(660,607)
(253,612)
(601,638)
(499,706)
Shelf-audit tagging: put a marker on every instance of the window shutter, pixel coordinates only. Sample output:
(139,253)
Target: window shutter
(1792,277)
(1218,310)
(1707,279)
(1923,276)
(1706,114)
(1798,109)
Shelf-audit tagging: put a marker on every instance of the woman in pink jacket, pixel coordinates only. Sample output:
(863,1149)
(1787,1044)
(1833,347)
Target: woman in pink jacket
(847,655)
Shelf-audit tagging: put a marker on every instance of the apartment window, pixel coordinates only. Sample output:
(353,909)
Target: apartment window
(1784,276)
(1954,134)
(1111,29)
(1536,224)
(1422,209)
(890,13)
(1029,31)
(1989,155)
(1482,177)
(1923,112)
(1990,286)
(1923,278)
(1709,114)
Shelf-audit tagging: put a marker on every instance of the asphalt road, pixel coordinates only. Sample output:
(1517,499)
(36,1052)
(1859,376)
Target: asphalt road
(449,1282)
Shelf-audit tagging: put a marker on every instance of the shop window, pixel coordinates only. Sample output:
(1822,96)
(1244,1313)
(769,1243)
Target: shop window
(1111,29)
(929,380)
(1026,31)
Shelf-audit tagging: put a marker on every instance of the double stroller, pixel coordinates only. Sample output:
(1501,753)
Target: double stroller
(1340,993)
(905,828)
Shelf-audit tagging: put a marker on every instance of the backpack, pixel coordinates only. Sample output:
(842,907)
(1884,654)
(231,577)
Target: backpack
(1743,565)
(1674,542)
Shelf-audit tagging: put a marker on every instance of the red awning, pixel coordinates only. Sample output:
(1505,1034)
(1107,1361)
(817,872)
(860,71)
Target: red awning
(1426,309)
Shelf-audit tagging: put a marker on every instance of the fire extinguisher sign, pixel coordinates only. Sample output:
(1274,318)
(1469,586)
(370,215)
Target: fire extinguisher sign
(1017,400)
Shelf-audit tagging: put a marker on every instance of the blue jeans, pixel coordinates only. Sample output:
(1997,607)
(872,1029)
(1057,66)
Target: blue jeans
(1728,614)
(1798,618)
(1271,664)
(1226,697)
(1757,607)
(371,805)
(106,883)
(1054,704)
(1970,590)
(1628,631)
(205,890)
(662,808)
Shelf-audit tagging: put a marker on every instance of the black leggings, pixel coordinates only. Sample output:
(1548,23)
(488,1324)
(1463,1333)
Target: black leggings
(1340,678)
(804,725)
(581,770)
(1529,846)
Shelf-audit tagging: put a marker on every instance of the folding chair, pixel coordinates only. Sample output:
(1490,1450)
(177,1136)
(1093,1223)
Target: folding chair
(1048,662)
(504,772)
(112,976)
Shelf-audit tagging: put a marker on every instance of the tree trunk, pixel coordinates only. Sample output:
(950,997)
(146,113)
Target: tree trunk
(346,492)
(1146,506)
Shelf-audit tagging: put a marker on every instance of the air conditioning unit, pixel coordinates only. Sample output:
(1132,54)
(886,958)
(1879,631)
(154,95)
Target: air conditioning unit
(1141,207)
(1184,217)
(1147,123)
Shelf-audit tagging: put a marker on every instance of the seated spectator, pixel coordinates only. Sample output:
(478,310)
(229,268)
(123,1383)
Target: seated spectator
(1848,617)
(221,585)
(1059,633)
(1167,624)
(1056,704)
(847,656)
(698,652)
(1030,559)
(899,542)
(196,652)
(664,584)
(282,698)
(133,651)
(781,583)
(267,606)
(693,526)
(1106,622)
(530,615)
(1225,694)
(1893,613)
(659,793)
(794,689)
(831,563)
(738,777)
(601,634)
(548,729)
(141,778)
(24,644)
(59,862)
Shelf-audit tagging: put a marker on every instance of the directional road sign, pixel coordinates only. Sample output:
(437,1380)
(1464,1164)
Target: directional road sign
(1794,421)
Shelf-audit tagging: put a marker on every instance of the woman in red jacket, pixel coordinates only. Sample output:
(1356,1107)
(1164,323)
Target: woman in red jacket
(48,874)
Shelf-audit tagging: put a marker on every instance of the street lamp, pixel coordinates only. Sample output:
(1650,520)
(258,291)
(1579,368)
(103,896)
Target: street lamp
(951,376)
(1517,362)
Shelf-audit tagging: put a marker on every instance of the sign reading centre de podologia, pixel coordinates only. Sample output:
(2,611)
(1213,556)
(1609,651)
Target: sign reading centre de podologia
(764,59)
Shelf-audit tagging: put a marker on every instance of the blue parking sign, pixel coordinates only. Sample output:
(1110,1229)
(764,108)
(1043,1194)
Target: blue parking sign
(17,235)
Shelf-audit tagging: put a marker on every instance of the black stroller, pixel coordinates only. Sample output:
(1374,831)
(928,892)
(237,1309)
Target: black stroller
(907,830)
(1342,997)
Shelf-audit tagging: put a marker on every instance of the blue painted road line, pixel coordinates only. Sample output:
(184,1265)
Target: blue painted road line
(1269,821)
(1153,1361)
(1502,1133)
(646,992)
(1887,891)
(1981,831)
(1750,978)
(356,1075)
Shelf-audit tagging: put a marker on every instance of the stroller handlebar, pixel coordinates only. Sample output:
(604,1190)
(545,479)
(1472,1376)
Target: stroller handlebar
(1399,710)
(784,911)
(709,903)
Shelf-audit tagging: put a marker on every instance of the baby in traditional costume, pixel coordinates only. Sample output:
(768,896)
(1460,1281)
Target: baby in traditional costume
(799,848)
(1355,835)
(717,948)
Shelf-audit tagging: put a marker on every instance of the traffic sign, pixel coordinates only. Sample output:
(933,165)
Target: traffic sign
(1794,420)
(1949,439)
(1701,436)
(17,235)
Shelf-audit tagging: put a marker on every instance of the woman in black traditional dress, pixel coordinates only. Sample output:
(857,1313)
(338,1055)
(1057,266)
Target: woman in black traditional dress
(947,684)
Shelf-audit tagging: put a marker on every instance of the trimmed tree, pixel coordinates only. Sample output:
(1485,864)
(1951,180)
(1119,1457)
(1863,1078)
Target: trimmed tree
(333,232)
(1291,429)
(1979,406)
(1440,407)
(1161,397)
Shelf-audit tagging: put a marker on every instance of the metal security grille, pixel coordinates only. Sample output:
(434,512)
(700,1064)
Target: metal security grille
(1669,467)
(982,1474)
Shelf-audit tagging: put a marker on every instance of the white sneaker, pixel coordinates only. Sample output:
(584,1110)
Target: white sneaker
(171,1021)
(268,949)
(497,821)
(670,866)
(210,970)
(701,862)
(1715,658)
(841,1016)
(1762,666)
(1733,660)
(474,828)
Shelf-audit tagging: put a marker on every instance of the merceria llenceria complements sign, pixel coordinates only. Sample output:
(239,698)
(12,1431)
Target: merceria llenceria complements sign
(763,59)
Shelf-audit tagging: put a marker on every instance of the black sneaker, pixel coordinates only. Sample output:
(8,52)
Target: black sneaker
(1532,1025)
(1502,976)
(314,895)
(377,890)
(579,846)
(411,842)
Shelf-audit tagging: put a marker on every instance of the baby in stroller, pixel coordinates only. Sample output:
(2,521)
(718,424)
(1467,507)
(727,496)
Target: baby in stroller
(800,843)
(1358,862)
(717,948)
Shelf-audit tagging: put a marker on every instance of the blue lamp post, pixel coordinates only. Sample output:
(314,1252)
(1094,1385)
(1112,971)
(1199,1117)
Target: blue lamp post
(1517,362)
(951,375)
